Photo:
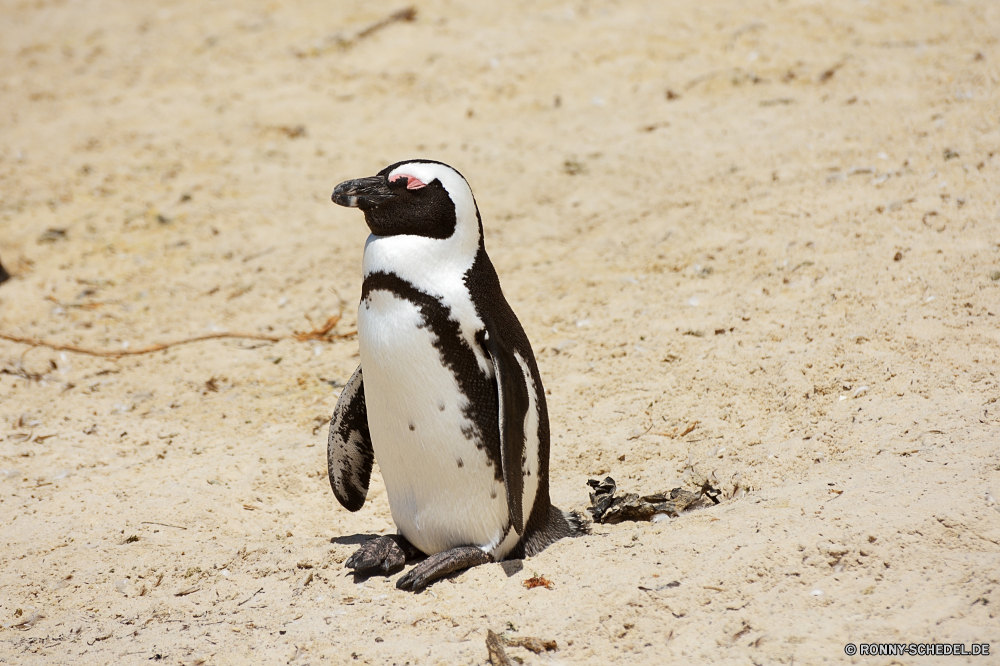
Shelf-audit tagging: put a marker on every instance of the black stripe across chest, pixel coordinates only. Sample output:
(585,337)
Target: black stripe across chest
(481,405)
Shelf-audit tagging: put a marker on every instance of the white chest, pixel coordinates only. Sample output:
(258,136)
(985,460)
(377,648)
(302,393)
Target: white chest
(442,491)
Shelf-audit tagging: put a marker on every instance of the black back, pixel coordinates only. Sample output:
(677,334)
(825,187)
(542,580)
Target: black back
(491,305)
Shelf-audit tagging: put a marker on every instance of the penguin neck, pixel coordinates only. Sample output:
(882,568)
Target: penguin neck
(433,265)
(438,268)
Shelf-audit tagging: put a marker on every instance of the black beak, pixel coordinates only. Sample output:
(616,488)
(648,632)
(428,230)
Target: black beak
(363,193)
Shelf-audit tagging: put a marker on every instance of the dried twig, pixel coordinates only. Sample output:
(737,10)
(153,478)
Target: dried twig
(690,428)
(147,522)
(536,645)
(321,333)
(405,14)
(498,656)
(673,434)
(250,597)
(340,42)
(29,622)
(642,433)
(538,581)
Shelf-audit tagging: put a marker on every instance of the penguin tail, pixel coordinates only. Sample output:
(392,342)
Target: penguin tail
(557,525)
(579,524)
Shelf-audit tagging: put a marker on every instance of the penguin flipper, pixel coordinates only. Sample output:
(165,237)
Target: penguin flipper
(349,452)
(512,394)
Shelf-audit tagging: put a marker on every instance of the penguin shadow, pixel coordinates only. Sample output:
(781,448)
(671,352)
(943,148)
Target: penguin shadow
(511,567)
(353,540)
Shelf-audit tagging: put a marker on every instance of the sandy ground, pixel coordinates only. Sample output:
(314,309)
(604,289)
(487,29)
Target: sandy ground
(759,241)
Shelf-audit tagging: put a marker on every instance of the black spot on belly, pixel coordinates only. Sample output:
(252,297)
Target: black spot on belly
(413,426)
(461,463)
(440,406)
(493,494)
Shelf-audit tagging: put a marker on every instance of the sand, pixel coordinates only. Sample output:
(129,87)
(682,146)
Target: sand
(754,243)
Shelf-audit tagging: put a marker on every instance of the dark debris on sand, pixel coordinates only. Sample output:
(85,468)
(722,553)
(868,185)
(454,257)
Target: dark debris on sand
(609,507)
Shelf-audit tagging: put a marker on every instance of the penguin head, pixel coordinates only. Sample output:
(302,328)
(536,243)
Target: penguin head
(416,198)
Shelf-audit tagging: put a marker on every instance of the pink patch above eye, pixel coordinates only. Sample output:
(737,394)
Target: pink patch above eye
(411,182)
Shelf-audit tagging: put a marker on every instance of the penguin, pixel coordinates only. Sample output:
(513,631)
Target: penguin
(448,397)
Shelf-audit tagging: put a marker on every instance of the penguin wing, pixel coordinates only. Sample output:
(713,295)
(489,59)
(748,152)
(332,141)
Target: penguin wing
(512,393)
(349,452)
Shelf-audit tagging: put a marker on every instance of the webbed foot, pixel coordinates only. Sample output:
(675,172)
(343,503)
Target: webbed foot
(440,565)
(382,555)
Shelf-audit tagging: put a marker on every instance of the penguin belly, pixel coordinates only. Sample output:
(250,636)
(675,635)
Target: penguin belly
(443,492)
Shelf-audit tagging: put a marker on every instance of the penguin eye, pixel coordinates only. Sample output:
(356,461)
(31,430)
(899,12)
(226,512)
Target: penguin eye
(411,182)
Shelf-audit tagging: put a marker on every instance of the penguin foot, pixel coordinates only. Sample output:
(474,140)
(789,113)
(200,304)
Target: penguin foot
(440,565)
(383,554)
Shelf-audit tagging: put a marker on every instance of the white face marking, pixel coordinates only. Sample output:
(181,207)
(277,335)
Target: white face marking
(436,266)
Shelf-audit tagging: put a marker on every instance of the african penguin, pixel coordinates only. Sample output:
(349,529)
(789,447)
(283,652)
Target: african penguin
(448,397)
